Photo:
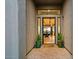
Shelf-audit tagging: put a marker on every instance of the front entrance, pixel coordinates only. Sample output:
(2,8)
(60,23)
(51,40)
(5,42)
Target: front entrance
(48,28)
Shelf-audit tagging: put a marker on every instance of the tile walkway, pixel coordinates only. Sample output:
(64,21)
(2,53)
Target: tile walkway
(49,53)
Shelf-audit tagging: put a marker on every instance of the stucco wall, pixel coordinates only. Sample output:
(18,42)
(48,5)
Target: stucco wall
(31,25)
(11,29)
(22,28)
(68,24)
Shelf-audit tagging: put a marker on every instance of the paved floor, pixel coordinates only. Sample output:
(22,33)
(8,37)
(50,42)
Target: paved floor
(49,39)
(49,53)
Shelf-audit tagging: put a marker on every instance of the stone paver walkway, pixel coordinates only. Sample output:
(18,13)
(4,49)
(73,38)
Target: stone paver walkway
(49,53)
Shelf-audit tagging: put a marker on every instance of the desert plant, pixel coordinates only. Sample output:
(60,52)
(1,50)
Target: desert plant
(60,40)
(38,41)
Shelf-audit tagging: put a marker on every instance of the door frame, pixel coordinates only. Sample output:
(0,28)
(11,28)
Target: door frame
(56,16)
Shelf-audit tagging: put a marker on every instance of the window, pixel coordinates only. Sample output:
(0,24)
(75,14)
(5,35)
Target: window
(39,25)
(58,25)
(48,12)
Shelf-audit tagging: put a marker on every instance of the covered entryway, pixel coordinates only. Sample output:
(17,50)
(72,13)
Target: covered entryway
(25,19)
(48,27)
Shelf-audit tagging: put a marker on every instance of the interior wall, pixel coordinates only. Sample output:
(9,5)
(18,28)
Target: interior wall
(31,25)
(11,30)
(68,24)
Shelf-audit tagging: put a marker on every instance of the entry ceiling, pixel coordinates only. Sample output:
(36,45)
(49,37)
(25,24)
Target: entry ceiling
(48,2)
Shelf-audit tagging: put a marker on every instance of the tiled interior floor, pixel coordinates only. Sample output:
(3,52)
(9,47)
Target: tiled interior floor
(49,53)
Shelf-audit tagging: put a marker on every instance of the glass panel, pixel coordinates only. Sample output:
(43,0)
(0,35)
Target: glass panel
(49,29)
(48,12)
(46,21)
(52,21)
(45,29)
(39,23)
(59,25)
(53,29)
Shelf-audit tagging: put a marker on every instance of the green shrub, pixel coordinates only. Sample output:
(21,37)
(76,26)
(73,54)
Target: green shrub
(38,42)
(60,40)
(60,36)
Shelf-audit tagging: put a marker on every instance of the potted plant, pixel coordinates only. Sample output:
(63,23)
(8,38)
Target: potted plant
(38,42)
(60,40)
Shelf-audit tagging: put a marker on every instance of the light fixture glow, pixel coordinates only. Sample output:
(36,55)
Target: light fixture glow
(48,10)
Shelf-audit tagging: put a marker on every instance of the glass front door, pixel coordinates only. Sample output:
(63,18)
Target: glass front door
(48,28)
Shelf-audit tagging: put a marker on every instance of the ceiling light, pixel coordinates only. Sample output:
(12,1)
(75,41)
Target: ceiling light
(48,10)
